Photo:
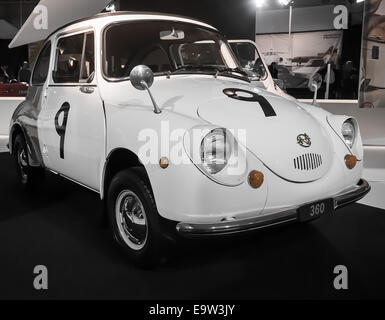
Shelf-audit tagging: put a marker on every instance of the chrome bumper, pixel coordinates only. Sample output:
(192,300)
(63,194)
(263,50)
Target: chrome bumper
(236,226)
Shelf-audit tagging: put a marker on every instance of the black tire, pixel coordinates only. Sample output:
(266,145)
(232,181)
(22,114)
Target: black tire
(150,251)
(29,178)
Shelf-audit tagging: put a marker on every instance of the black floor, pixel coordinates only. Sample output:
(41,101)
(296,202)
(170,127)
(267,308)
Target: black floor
(59,227)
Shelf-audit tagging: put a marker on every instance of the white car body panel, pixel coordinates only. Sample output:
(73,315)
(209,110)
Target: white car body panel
(85,146)
(271,146)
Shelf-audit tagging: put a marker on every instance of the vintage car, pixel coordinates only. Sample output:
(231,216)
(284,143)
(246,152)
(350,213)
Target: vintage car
(154,113)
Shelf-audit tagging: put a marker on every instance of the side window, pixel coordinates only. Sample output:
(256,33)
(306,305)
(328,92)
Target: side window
(249,58)
(245,52)
(68,59)
(88,62)
(40,71)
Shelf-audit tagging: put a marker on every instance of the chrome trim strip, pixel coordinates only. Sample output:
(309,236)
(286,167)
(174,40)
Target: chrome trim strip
(73,85)
(234,226)
(74,181)
(237,226)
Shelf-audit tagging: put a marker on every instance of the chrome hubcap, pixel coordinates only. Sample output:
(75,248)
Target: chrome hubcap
(131,219)
(23,164)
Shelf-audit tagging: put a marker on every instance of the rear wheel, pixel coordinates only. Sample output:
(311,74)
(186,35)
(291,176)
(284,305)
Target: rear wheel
(134,219)
(28,177)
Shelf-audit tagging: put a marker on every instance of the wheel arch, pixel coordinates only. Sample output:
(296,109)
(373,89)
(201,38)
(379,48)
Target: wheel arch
(116,161)
(34,156)
(15,130)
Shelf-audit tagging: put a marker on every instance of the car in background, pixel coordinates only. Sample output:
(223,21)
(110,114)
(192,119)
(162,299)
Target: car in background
(13,89)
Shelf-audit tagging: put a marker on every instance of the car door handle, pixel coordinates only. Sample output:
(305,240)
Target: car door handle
(87,90)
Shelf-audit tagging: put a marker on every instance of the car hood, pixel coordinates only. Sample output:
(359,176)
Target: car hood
(271,136)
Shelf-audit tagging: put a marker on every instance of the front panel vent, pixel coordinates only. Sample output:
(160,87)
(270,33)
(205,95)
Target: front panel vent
(308,161)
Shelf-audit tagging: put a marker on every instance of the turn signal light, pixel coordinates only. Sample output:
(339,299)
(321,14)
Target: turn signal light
(256,179)
(350,161)
(163,162)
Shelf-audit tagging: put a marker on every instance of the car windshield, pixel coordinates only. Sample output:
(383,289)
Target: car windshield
(166,46)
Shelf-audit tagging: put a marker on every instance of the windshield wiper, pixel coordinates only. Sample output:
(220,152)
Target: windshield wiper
(234,70)
(197,67)
(218,70)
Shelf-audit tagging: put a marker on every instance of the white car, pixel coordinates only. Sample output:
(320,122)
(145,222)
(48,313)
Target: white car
(174,137)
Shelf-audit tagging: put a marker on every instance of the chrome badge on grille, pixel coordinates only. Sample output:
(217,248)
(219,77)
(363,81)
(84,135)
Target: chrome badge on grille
(304,140)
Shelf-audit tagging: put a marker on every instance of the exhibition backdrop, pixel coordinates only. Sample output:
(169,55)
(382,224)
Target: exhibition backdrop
(373,56)
(307,51)
(300,55)
(305,39)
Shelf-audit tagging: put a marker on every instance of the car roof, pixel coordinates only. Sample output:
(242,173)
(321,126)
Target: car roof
(80,14)
(142,13)
(133,16)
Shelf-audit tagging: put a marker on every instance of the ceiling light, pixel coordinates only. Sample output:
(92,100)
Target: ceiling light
(111,7)
(260,3)
(284,2)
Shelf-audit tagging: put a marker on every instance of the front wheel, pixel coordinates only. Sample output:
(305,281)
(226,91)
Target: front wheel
(134,219)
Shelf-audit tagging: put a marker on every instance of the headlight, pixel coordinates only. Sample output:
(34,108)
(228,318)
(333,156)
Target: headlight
(215,151)
(349,132)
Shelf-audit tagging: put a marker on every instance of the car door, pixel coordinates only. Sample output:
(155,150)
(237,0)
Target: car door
(72,120)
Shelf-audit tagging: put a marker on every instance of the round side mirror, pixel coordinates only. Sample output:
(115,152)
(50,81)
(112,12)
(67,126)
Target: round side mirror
(142,77)
(315,82)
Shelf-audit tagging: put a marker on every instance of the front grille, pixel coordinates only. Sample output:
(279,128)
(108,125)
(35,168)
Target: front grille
(308,161)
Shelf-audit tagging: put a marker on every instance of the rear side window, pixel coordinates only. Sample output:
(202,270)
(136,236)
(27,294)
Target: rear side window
(40,71)
(74,59)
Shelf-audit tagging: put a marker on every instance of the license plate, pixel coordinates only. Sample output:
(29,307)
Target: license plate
(315,210)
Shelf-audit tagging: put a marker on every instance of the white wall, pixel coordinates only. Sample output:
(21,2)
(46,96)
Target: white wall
(305,19)
(372,121)
(372,126)
(7,107)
